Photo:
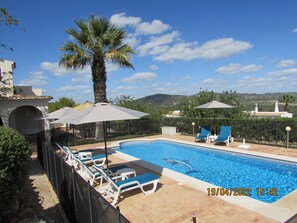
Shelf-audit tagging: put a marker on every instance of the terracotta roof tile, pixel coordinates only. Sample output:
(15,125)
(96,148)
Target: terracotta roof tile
(21,97)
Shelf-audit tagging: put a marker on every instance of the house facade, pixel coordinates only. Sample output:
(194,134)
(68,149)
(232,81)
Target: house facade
(21,107)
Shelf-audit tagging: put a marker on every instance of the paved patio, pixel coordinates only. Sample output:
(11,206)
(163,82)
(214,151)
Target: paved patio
(176,202)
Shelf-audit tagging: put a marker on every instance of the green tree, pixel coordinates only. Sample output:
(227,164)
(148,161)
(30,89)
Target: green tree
(62,102)
(96,42)
(287,98)
(229,97)
(6,18)
(187,105)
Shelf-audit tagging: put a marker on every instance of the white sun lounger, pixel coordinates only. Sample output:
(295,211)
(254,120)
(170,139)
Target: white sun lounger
(68,154)
(85,157)
(93,175)
(114,189)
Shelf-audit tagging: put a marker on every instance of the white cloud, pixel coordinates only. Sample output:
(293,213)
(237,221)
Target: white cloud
(138,77)
(128,88)
(36,79)
(36,72)
(111,67)
(82,75)
(264,84)
(122,20)
(286,63)
(215,84)
(238,68)
(229,69)
(222,48)
(294,30)
(61,71)
(154,67)
(75,88)
(141,28)
(287,72)
(187,77)
(213,49)
(256,84)
(81,78)
(158,50)
(251,68)
(180,51)
(155,27)
(209,81)
(156,42)
(132,40)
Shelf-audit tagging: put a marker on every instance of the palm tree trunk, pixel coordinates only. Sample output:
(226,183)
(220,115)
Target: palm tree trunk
(285,107)
(99,86)
(99,80)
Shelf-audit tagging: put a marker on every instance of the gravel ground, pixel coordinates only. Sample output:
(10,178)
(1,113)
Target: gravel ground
(39,203)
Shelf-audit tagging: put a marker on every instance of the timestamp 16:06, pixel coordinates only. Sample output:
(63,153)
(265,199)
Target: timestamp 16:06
(238,191)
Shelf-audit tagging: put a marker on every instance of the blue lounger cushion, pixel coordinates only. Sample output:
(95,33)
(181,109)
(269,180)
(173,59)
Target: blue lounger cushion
(112,169)
(225,135)
(205,132)
(94,157)
(144,178)
(87,150)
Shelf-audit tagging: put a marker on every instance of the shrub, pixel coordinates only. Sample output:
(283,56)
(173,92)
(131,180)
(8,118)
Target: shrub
(14,157)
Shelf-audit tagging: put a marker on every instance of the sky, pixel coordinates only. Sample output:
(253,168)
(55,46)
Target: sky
(181,47)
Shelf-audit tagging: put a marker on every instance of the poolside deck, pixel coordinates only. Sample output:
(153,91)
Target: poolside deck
(176,202)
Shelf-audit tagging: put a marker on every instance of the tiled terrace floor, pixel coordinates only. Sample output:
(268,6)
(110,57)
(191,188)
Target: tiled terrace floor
(175,202)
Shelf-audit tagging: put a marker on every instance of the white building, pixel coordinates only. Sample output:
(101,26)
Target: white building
(266,114)
(174,114)
(20,106)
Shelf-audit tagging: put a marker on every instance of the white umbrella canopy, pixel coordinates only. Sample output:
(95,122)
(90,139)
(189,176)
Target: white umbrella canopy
(101,112)
(214,105)
(59,113)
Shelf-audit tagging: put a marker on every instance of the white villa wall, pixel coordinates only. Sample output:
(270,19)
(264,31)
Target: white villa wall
(10,116)
(7,67)
(28,91)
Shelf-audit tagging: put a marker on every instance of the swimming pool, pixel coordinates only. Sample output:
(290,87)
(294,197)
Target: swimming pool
(260,178)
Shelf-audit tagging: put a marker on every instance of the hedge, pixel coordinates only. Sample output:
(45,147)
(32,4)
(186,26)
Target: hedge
(14,157)
(260,130)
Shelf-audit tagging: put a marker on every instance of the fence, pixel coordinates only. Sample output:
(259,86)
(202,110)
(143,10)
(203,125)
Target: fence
(80,201)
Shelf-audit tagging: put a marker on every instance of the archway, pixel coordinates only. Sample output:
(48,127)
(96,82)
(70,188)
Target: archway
(25,120)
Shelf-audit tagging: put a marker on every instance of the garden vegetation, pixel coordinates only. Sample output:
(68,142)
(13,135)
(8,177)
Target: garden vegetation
(14,160)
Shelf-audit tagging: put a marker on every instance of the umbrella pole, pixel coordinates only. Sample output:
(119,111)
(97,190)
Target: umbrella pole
(105,146)
(214,122)
(67,131)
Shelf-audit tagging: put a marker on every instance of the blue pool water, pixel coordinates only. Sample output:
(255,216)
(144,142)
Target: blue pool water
(267,179)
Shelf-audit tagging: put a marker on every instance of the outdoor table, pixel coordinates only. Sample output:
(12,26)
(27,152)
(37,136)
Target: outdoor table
(125,173)
(212,138)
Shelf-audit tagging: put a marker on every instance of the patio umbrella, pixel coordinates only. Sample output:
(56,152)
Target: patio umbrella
(101,112)
(214,105)
(59,113)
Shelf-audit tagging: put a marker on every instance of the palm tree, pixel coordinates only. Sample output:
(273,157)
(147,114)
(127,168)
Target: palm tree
(96,42)
(287,98)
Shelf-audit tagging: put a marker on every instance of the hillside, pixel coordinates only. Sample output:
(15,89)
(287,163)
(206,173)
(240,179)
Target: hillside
(161,99)
(266,101)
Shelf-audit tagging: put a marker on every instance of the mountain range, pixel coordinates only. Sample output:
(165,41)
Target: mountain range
(266,101)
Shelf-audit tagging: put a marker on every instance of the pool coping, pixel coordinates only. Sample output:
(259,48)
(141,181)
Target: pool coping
(280,210)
